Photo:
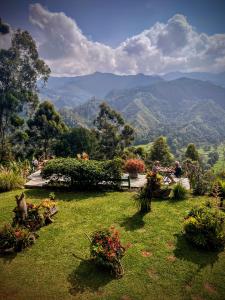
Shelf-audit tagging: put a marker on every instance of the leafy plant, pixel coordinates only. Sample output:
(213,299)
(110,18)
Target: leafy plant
(15,238)
(37,215)
(205,227)
(134,166)
(107,250)
(143,199)
(52,196)
(83,173)
(10,180)
(179,192)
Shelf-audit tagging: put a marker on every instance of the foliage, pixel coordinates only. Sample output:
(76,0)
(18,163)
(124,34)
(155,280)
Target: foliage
(20,68)
(179,192)
(160,151)
(10,180)
(143,199)
(45,126)
(15,238)
(107,250)
(205,227)
(218,191)
(52,196)
(152,189)
(37,215)
(134,152)
(76,140)
(83,173)
(192,152)
(134,166)
(213,157)
(113,134)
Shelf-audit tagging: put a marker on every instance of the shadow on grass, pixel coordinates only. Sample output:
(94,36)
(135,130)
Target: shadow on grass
(185,251)
(65,195)
(134,222)
(7,258)
(88,278)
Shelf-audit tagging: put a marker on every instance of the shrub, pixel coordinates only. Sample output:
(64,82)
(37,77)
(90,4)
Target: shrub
(179,192)
(107,250)
(143,199)
(205,227)
(10,180)
(218,191)
(134,166)
(15,238)
(83,173)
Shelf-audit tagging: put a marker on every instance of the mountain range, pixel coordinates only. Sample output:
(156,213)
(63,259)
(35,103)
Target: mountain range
(186,107)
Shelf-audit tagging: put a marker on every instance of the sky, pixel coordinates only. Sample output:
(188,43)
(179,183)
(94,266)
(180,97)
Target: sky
(77,37)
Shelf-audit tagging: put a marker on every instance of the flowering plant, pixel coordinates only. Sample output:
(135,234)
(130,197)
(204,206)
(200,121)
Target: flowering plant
(15,238)
(37,215)
(134,165)
(106,250)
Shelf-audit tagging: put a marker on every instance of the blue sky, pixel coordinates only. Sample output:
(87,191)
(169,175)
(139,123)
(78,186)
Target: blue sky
(78,37)
(112,21)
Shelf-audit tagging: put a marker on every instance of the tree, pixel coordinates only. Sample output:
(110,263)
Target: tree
(76,140)
(192,152)
(213,157)
(45,126)
(113,134)
(160,151)
(20,68)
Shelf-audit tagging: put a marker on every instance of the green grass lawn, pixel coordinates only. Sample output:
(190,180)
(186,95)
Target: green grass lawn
(159,265)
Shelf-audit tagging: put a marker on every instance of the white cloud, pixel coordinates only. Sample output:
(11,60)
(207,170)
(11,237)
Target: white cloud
(173,46)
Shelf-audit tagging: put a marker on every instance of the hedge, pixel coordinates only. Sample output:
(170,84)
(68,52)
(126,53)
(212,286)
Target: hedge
(83,173)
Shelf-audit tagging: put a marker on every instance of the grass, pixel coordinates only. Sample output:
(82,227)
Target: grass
(159,265)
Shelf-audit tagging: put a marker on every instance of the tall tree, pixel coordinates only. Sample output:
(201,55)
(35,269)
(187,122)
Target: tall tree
(45,127)
(192,152)
(160,151)
(20,68)
(76,140)
(113,134)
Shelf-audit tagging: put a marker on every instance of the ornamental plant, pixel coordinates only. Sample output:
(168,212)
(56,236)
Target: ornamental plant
(106,250)
(134,166)
(37,215)
(15,238)
(83,174)
(205,227)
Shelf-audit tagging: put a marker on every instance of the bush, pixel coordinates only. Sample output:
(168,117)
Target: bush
(10,180)
(179,192)
(15,238)
(200,187)
(205,227)
(134,166)
(107,251)
(83,173)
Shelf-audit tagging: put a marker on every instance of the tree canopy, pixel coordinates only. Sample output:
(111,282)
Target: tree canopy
(160,151)
(45,126)
(192,152)
(113,134)
(20,68)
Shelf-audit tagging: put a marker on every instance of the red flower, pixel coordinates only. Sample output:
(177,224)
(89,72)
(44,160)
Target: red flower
(134,165)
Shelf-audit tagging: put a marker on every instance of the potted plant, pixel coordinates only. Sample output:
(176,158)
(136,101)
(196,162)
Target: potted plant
(134,166)
(107,250)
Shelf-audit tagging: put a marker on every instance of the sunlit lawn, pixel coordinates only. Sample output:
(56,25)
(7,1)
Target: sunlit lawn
(159,265)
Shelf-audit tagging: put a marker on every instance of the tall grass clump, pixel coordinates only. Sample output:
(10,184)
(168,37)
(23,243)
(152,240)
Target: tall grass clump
(179,192)
(10,180)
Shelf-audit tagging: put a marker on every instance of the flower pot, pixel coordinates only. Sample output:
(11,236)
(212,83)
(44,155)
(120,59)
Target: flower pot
(133,175)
